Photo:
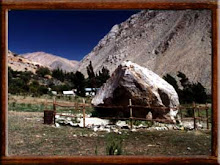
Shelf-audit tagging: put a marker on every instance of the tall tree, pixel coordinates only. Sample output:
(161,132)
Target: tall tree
(183,79)
(91,76)
(190,92)
(79,82)
(42,71)
(58,74)
(90,70)
(103,76)
(172,81)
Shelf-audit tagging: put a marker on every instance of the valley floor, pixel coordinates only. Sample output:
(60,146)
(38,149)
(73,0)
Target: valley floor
(27,135)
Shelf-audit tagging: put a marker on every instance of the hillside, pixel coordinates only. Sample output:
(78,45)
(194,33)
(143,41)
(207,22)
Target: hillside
(20,63)
(51,61)
(163,41)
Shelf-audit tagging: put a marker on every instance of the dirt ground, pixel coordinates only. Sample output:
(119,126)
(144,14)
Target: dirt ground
(27,135)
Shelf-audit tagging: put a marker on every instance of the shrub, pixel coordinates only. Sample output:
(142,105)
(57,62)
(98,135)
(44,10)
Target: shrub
(190,92)
(58,74)
(42,71)
(114,145)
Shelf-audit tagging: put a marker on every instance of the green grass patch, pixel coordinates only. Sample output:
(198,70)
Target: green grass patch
(22,107)
(113,144)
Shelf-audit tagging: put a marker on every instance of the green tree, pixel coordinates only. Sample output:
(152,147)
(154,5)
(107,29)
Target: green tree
(18,86)
(61,88)
(42,90)
(199,93)
(190,92)
(36,89)
(172,81)
(58,74)
(26,76)
(103,76)
(183,79)
(69,77)
(42,71)
(79,82)
(10,75)
(90,71)
(92,79)
(33,88)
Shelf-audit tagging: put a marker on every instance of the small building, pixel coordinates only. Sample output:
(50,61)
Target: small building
(91,91)
(69,93)
(54,92)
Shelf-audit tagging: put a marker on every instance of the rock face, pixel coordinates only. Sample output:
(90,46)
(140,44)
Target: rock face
(143,87)
(165,41)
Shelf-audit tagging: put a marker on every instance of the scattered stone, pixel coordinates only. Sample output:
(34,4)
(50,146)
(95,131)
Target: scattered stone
(121,124)
(85,135)
(133,130)
(125,127)
(97,124)
(188,148)
(57,125)
(151,145)
(68,118)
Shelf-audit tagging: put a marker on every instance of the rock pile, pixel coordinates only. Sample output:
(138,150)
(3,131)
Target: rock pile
(97,124)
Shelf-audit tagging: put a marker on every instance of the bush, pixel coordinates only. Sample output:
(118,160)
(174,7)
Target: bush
(58,74)
(36,89)
(114,145)
(190,92)
(42,71)
(17,86)
(172,81)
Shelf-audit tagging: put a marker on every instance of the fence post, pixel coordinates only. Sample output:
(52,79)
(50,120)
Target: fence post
(84,114)
(131,121)
(181,114)
(194,115)
(45,103)
(54,109)
(207,116)
(76,105)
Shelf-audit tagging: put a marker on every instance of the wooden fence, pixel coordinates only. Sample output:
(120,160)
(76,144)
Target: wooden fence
(196,112)
(77,106)
(196,109)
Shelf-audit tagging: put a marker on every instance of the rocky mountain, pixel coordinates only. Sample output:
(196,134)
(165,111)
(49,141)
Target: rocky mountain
(20,63)
(52,61)
(164,41)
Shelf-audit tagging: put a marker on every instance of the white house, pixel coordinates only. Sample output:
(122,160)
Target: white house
(69,93)
(54,92)
(91,91)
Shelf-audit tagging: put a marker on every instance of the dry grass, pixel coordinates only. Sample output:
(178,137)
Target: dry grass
(29,136)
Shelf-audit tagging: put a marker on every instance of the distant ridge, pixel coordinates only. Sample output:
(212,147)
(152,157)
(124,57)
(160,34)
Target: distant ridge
(19,63)
(52,61)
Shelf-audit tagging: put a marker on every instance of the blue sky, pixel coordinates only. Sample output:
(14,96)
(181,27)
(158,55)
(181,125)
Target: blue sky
(71,34)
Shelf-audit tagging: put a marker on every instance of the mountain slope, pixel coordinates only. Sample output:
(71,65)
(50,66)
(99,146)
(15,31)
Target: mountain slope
(163,41)
(52,61)
(20,63)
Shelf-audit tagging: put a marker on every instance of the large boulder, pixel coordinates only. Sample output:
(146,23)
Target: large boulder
(143,87)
